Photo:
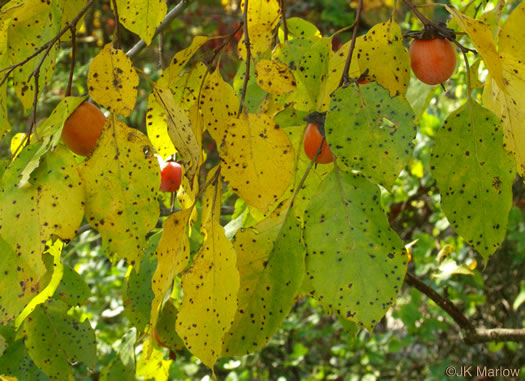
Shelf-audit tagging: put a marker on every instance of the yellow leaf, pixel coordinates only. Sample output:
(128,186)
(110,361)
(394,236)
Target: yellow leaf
(383,54)
(274,77)
(481,36)
(179,60)
(180,130)
(262,12)
(218,102)
(261,38)
(210,290)
(258,159)
(157,128)
(121,178)
(142,16)
(16,140)
(172,257)
(112,81)
(4,62)
(154,366)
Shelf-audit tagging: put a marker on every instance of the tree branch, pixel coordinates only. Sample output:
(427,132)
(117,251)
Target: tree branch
(471,334)
(248,58)
(175,11)
(345,77)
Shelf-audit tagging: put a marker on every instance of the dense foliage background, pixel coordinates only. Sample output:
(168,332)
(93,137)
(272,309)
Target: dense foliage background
(416,340)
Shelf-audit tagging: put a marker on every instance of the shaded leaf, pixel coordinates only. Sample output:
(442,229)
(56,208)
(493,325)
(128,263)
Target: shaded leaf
(474,175)
(122,367)
(274,77)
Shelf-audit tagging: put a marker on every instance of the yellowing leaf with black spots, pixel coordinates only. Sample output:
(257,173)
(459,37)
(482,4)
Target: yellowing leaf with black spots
(142,17)
(112,81)
(335,71)
(218,103)
(274,77)
(179,60)
(210,290)
(4,62)
(355,262)
(151,364)
(263,12)
(51,203)
(261,38)
(187,87)
(270,259)
(474,175)
(371,132)
(157,128)
(180,130)
(382,53)
(173,254)
(121,178)
(258,159)
(70,9)
(481,36)
(298,28)
(311,73)
(508,103)
(55,340)
(31,25)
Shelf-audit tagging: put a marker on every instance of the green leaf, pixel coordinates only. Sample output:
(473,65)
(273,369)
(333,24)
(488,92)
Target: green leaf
(122,367)
(474,175)
(355,262)
(4,62)
(55,340)
(371,132)
(16,362)
(139,293)
(166,327)
(270,259)
(298,27)
(73,289)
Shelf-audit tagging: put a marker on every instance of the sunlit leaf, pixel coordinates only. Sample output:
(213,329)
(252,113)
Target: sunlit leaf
(142,16)
(274,77)
(112,81)
(121,178)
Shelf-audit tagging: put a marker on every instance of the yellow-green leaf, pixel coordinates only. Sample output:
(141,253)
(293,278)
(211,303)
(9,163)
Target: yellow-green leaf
(142,16)
(112,81)
(151,363)
(274,77)
(32,24)
(4,62)
(257,159)
(51,203)
(481,36)
(210,289)
(121,178)
(173,254)
(180,130)
(382,53)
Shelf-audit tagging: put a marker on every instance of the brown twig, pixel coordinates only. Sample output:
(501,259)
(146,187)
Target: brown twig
(283,17)
(174,12)
(116,32)
(73,59)
(471,334)
(248,58)
(345,78)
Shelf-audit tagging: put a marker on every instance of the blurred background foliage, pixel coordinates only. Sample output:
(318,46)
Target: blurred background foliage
(416,340)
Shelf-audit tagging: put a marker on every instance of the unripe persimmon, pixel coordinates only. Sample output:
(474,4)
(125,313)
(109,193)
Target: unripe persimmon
(83,128)
(433,61)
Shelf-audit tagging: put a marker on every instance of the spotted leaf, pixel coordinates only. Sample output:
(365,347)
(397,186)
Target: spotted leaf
(382,53)
(274,77)
(4,62)
(257,159)
(355,263)
(121,178)
(55,340)
(180,131)
(112,81)
(371,132)
(271,267)
(474,175)
(157,128)
(142,17)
